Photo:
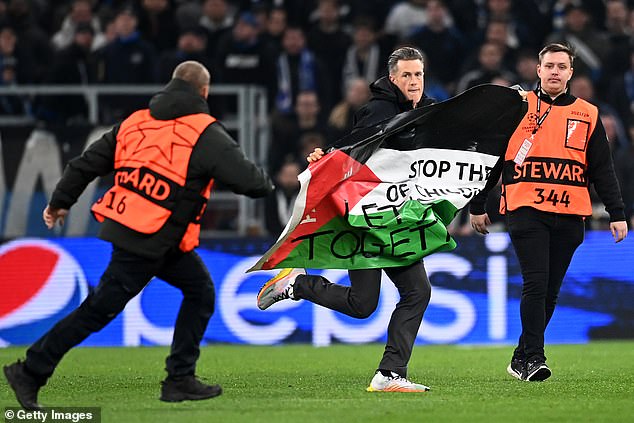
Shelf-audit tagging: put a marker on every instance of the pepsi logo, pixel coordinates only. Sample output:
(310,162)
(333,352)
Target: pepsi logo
(41,283)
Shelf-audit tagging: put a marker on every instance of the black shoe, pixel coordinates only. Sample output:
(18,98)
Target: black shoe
(536,371)
(24,385)
(516,368)
(187,388)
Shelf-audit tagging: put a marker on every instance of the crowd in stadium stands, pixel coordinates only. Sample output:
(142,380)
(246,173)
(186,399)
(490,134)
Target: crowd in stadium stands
(316,57)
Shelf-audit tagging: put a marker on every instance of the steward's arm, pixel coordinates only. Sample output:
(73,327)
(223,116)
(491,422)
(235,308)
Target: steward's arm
(97,160)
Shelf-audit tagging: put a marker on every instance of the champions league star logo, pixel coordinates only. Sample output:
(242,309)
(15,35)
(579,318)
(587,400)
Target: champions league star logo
(531,119)
(41,283)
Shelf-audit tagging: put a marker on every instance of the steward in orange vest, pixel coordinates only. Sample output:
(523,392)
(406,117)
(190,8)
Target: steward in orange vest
(557,151)
(165,160)
(563,160)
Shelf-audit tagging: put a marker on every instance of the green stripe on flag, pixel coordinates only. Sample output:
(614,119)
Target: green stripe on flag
(396,237)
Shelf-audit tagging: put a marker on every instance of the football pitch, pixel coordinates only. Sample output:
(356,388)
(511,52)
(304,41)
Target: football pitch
(299,383)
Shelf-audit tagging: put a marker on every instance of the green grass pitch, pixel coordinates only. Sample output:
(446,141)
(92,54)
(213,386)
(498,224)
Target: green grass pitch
(299,383)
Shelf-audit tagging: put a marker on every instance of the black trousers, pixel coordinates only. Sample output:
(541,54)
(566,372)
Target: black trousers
(361,298)
(544,244)
(126,275)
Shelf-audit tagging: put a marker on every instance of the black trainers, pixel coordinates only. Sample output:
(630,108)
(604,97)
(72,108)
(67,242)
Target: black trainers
(187,388)
(536,371)
(516,368)
(24,385)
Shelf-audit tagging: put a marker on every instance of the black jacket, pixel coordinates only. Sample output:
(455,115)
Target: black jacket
(216,155)
(386,102)
(600,168)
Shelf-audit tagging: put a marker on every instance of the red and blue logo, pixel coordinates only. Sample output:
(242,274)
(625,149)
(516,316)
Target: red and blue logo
(41,283)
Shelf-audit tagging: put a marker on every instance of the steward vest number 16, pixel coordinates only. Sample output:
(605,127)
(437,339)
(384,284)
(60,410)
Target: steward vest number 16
(120,204)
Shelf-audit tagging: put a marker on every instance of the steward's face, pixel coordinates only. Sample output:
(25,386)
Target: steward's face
(554,72)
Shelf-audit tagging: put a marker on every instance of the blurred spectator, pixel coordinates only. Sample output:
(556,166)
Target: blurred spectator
(595,8)
(405,17)
(287,129)
(15,56)
(489,67)
(157,25)
(498,31)
(466,14)
(299,70)
(340,119)
(377,9)
(600,219)
(525,69)
(217,18)
(279,206)
(329,44)
(192,45)
(614,131)
(80,13)
(30,36)
(109,28)
(261,13)
(590,44)
(274,30)
(73,65)
(525,23)
(619,36)
(127,60)
(624,167)
(299,12)
(242,58)
(14,68)
(442,44)
(621,92)
(581,86)
(363,58)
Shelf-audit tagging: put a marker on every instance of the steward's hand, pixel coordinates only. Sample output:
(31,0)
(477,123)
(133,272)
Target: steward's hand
(479,222)
(619,230)
(52,215)
(317,154)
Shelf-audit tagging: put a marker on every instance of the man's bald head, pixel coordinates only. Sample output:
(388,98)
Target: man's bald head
(194,73)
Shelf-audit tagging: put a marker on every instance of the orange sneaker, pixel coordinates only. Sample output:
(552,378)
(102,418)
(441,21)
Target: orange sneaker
(278,288)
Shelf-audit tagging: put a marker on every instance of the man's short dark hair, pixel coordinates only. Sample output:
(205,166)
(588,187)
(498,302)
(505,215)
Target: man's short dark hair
(403,53)
(557,48)
(194,73)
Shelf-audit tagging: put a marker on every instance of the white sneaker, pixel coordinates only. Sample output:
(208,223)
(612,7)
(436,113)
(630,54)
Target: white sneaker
(278,288)
(394,383)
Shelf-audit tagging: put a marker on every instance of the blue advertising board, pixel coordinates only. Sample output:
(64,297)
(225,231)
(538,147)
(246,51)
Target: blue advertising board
(475,296)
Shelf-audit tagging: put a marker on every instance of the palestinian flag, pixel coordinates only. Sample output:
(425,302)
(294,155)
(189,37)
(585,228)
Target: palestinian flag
(386,198)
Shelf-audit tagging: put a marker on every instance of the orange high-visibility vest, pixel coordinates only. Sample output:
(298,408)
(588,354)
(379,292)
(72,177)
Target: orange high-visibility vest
(151,162)
(553,176)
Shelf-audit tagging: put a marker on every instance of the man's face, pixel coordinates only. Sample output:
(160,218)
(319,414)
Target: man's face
(554,72)
(408,77)
(307,104)
(293,41)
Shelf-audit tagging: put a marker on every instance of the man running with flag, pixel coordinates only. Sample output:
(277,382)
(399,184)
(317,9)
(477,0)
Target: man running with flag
(369,209)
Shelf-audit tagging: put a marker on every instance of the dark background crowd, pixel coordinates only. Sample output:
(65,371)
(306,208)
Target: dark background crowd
(315,59)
